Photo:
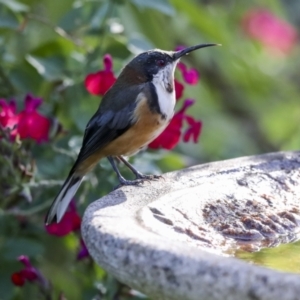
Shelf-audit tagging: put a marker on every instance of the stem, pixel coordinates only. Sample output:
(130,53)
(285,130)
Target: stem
(108,14)
(65,152)
(6,83)
(98,49)
(28,212)
(46,183)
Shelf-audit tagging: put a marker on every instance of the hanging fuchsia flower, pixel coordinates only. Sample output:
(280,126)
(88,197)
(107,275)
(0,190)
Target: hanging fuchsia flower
(100,82)
(273,32)
(29,123)
(70,222)
(170,137)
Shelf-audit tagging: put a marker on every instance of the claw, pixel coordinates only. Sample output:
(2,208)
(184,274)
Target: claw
(124,182)
(137,174)
(148,177)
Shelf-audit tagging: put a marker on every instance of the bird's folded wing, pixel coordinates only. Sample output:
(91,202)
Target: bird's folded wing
(109,122)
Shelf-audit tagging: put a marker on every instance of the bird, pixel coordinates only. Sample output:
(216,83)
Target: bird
(132,113)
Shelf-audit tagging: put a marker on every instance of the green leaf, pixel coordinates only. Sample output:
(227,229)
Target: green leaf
(14,5)
(73,20)
(117,47)
(58,46)
(50,68)
(6,270)
(8,19)
(25,78)
(20,246)
(204,22)
(163,6)
(138,43)
(98,16)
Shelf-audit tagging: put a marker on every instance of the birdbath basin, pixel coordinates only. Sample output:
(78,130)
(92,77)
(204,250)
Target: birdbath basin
(175,238)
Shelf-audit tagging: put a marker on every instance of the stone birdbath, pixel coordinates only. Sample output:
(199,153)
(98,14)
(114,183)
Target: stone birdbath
(174,238)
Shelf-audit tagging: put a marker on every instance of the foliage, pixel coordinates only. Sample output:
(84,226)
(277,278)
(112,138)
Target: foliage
(247,100)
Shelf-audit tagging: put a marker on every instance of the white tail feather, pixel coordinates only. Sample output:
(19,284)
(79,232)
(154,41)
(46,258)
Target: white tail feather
(63,199)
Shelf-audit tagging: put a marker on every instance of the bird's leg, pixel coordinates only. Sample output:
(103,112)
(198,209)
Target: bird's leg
(137,174)
(122,180)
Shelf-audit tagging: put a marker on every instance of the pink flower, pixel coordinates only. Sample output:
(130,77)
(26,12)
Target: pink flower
(170,137)
(100,82)
(180,47)
(29,123)
(190,76)
(70,222)
(273,32)
(8,112)
(8,116)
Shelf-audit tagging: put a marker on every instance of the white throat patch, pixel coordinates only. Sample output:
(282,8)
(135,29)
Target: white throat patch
(164,84)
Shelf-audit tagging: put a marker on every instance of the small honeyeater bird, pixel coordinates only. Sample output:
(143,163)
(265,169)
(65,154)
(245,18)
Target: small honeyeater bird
(133,112)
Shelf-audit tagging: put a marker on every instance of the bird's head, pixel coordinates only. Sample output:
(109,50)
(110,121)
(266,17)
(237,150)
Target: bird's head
(158,65)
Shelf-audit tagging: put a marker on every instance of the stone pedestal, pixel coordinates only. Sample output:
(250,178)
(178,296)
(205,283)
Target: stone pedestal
(173,238)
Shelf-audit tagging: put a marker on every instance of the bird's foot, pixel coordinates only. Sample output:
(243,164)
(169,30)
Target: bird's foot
(124,182)
(137,174)
(147,177)
(140,179)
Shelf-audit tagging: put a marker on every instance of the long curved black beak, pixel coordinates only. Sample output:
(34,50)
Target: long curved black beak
(185,51)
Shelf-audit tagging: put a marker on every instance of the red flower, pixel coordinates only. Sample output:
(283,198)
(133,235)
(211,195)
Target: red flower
(31,274)
(28,273)
(190,76)
(7,113)
(17,279)
(100,82)
(70,222)
(273,32)
(32,124)
(179,87)
(29,123)
(194,130)
(170,137)
(8,116)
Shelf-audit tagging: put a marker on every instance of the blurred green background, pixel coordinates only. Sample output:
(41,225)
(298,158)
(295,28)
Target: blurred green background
(247,99)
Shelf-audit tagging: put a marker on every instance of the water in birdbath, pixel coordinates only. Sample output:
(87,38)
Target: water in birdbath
(285,257)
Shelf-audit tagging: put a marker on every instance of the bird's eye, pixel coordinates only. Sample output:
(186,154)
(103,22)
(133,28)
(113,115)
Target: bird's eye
(161,62)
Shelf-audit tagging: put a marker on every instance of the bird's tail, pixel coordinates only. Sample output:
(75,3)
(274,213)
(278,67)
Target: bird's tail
(64,197)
